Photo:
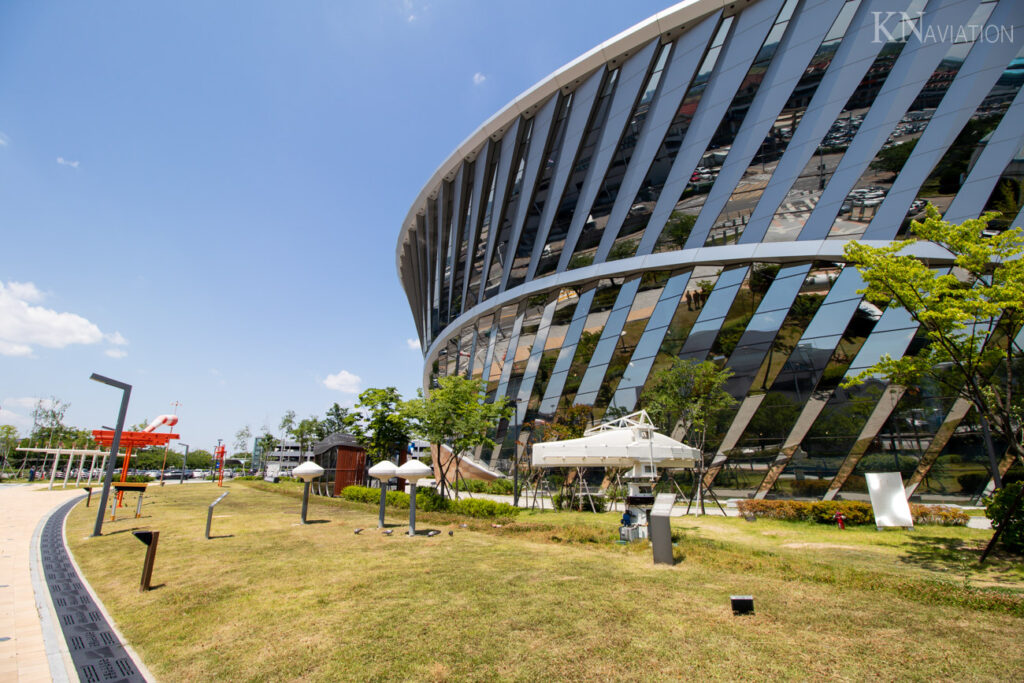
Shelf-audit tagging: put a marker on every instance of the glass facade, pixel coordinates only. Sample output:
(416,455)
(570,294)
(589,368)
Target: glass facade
(688,193)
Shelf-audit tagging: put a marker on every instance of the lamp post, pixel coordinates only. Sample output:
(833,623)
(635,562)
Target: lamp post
(307,472)
(184,463)
(413,471)
(515,458)
(108,476)
(383,471)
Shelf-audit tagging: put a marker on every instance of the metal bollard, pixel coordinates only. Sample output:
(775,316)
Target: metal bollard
(150,538)
(138,508)
(209,513)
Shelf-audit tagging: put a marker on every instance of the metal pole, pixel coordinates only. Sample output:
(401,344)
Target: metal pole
(53,472)
(67,468)
(109,475)
(412,508)
(209,513)
(515,459)
(305,501)
(383,501)
(184,462)
(81,466)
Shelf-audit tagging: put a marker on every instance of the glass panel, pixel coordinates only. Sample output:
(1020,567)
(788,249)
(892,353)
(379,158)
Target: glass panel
(480,253)
(906,436)
(462,254)
(567,205)
(567,352)
(540,194)
(694,195)
(590,238)
(805,192)
(495,272)
(448,242)
(506,321)
(610,339)
(733,217)
(650,190)
(483,338)
(877,180)
(600,310)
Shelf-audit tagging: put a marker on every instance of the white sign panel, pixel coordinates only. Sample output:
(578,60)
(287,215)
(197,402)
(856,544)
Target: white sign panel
(889,499)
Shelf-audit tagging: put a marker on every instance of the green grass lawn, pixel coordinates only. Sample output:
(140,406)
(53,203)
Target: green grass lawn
(548,597)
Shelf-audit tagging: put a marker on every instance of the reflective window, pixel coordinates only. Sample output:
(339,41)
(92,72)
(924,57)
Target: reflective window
(466,239)
(496,270)
(540,194)
(604,300)
(567,204)
(653,183)
(692,200)
(791,215)
(481,346)
(734,215)
(878,179)
(590,238)
(479,254)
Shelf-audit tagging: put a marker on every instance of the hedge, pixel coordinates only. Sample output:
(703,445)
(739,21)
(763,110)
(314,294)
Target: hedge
(429,500)
(855,512)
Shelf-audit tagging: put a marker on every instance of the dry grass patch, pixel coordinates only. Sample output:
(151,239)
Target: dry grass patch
(548,596)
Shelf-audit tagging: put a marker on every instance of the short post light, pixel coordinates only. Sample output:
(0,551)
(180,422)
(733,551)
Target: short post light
(383,472)
(307,472)
(413,470)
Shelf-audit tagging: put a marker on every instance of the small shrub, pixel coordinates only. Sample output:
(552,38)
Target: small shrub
(1012,536)
(822,512)
(941,515)
(361,494)
(139,478)
(484,509)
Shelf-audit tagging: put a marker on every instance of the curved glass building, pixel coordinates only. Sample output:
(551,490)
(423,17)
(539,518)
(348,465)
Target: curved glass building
(686,189)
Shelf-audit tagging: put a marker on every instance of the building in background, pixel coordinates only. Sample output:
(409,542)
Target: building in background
(686,189)
(344,463)
(287,456)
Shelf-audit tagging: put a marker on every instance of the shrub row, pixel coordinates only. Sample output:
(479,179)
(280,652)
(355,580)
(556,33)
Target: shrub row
(855,512)
(823,512)
(500,487)
(429,500)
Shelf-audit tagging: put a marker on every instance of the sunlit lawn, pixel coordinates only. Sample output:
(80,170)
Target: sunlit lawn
(548,597)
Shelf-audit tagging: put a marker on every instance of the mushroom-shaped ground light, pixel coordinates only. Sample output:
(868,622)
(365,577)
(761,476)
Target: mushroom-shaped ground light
(383,471)
(413,470)
(307,472)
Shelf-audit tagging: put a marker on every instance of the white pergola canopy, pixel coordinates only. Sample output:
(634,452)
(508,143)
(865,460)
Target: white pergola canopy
(625,442)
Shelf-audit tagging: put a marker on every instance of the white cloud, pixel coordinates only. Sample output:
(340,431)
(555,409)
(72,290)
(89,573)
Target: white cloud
(117,339)
(3,140)
(478,78)
(67,162)
(413,344)
(23,325)
(116,353)
(344,381)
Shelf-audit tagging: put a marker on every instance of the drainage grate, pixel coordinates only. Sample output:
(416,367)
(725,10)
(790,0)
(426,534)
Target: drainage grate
(98,655)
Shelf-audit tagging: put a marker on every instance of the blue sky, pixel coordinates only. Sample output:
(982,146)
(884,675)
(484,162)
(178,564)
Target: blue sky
(202,199)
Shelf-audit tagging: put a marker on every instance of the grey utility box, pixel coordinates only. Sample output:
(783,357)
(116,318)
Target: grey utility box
(660,530)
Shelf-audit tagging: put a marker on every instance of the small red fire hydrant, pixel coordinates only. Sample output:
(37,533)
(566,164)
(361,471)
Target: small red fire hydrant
(840,520)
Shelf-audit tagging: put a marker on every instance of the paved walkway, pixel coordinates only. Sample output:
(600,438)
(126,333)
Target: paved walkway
(23,653)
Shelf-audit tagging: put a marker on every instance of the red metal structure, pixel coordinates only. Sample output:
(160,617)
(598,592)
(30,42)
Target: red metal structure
(131,440)
(218,453)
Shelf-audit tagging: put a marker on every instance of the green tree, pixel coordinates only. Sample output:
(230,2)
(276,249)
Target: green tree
(8,442)
(306,431)
(287,424)
(891,159)
(688,394)
(48,420)
(678,228)
(337,419)
(242,438)
(386,429)
(970,315)
(456,414)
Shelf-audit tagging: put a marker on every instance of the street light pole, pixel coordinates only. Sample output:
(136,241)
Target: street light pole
(108,476)
(184,462)
(515,459)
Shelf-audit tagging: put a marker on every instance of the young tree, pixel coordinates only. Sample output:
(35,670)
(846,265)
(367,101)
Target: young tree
(386,429)
(455,413)
(287,424)
(337,419)
(242,438)
(305,432)
(687,396)
(970,315)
